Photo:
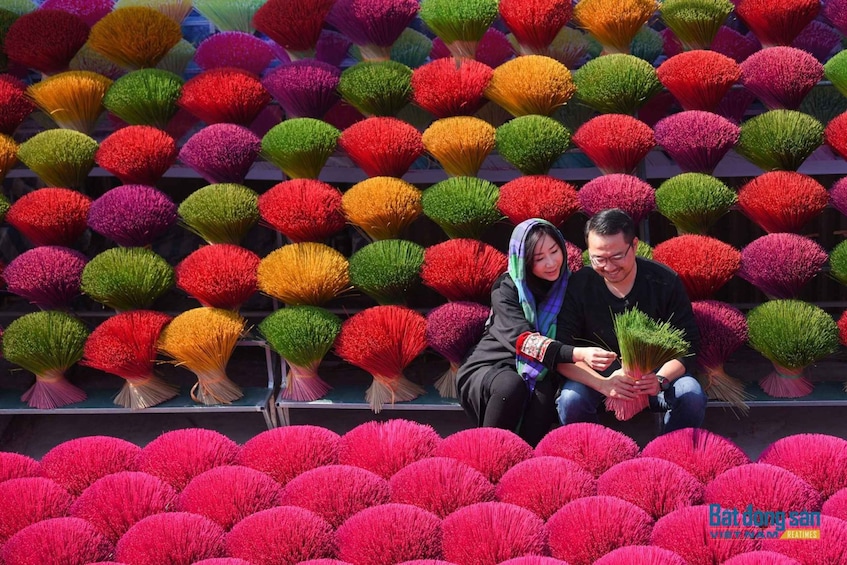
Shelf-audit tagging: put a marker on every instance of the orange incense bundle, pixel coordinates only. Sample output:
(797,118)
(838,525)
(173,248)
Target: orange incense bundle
(382,207)
(614,22)
(699,79)
(303,209)
(224,95)
(135,37)
(383,341)
(125,345)
(294,24)
(202,340)
(463,269)
(460,144)
(616,143)
(532,84)
(446,87)
(8,155)
(382,147)
(73,99)
(535,23)
(538,196)
(309,274)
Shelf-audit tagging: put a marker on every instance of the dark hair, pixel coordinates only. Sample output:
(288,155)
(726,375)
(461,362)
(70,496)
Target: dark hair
(536,233)
(611,222)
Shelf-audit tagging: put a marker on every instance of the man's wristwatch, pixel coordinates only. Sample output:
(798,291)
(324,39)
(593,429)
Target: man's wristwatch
(664,383)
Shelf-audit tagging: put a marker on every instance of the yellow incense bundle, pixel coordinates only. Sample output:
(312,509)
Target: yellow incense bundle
(135,37)
(614,23)
(306,273)
(460,144)
(532,84)
(382,207)
(8,155)
(73,99)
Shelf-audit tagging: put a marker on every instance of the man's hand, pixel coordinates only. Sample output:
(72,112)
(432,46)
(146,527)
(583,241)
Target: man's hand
(619,385)
(595,357)
(648,384)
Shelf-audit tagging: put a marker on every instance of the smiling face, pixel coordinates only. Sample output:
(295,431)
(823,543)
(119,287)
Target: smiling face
(612,257)
(547,259)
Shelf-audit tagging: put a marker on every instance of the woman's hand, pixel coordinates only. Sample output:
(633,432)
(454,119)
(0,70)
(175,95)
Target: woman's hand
(619,385)
(595,357)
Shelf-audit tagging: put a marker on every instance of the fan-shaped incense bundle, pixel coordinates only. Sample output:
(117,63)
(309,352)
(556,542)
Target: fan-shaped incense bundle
(781,76)
(463,269)
(304,89)
(47,276)
(836,71)
(382,146)
(647,45)
(777,24)
(735,104)
(699,79)
(695,22)
(127,278)
(451,330)
(295,26)
(460,144)
(146,97)
(373,26)
(46,344)
(532,143)
(412,48)
(16,106)
(222,152)
(779,139)
(838,195)
(726,328)
(50,216)
(377,89)
(224,95)
(818,39)
(20,7)
(220,213)
(464,207)
(735,45)
(177,59)
(645,344)
(792,335)
(176,10)
(8,155)
(302,335)
(382,207)
(780,264)
(446,88)
(132,215)
(492,50)
(73,99)
(45,40)
(460,26)
(219,276)
(631,194)
(538,196)
(613,24)
(703,263)
(535,24)
(135,37)
(836,135)
(87,59)
(202,340)
(782,201)
(7,18)
(303,209)
(387,270)
(137,154)
(616,84)
(838,263)
(230,15)
(60,157)
(308,273)
(125,345)
(694,201)
(301,146)
(234,49)
(532,84)
(91,11)
(570,47)
(696,140)
(383,340)
(825,104)
(616,143)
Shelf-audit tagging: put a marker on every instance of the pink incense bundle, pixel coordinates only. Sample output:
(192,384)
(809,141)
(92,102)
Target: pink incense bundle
(491,451)
(703,263)
(836,12)
(91,11)
(16,466)
(15,105)
(451,330)
(48,276)
(79,463)
(332,48)
(700,452)
(780,264)
(303,209)
(687,532)
(383,340)
(171,537)
(564,481)
(838,195)
(387,447)
(50,216)
(440,485)
(782,201)
(137,154)
(835,135)
(382,146)
(222,152)
(818,39)
(178,456)
(28,500)
(538,196)
(224,95)
(735,104)
(234,49)
(681,487)
(45,40)
(390,533)
(445,87)
(287,452)
(295,26)
(616,143)
(726,328)
(535,23)
(631,194)
(463,269)
(304,89)
(493,49)
(697,140)
(219,276)
(285,534)
(132,215)
(781,76)
(373,25)
(745,484)
(57,540)
(777,23)
(699,79)
(125,345)
(734,44)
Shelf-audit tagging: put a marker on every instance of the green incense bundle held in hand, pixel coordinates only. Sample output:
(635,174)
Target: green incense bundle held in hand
(645,345)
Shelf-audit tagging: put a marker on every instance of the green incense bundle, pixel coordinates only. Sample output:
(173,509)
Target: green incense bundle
(464,207)
(377,88)
(460,25)
(616,84)
(532,143)
(61,157)
(387,270)
(779,140)
(694,201)
(127,278)
(220,213)
(300,146)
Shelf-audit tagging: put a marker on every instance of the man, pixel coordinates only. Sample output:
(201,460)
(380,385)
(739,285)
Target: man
(619,280)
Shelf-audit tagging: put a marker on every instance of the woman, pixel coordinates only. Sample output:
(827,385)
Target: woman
(509,379)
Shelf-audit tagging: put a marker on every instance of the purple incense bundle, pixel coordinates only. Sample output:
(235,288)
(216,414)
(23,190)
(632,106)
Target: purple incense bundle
(818,39)
(451,330)
(696,140)
(781,76)
(132,215)
(726,328)
(304,89)
(234,49)
(332,48)
(631,194)
(735,45)
(836,12)
(373,25)
(221,153)
(47,276)
(734,105)
(780,264)
(838,195)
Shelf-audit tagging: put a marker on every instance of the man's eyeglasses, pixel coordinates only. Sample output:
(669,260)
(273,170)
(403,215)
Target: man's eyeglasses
(603,261)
